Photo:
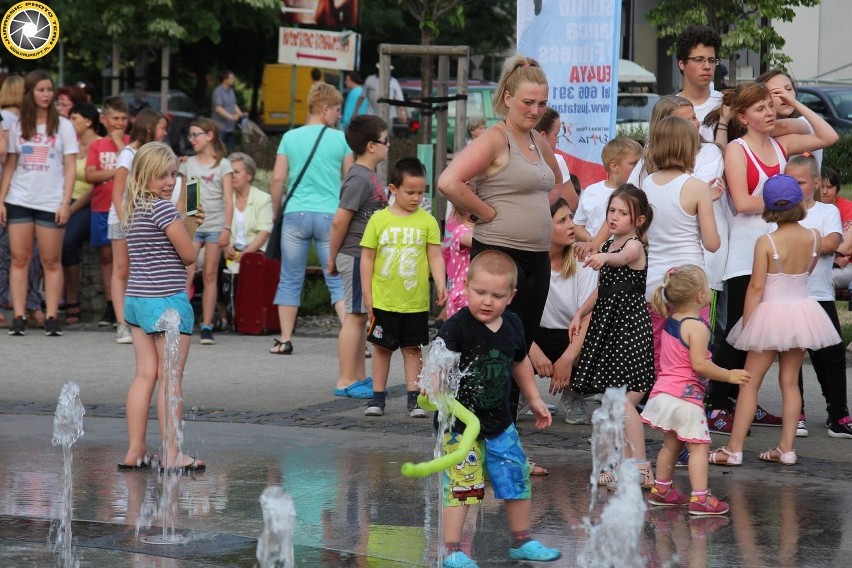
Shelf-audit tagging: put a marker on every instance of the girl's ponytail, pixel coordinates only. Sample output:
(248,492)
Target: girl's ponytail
(658,300)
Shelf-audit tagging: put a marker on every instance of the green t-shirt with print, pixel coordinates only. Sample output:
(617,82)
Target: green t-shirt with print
(401,273)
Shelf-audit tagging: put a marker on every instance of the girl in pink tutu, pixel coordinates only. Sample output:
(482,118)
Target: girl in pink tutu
(676,403)
(778,318)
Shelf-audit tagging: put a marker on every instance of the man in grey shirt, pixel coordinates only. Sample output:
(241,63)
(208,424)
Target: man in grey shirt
(371,93)
(226,112)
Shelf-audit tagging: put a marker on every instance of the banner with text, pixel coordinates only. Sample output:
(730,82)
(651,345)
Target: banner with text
(315,48)
(577,42)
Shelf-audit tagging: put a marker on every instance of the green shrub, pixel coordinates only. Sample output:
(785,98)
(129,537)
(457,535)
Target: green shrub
(839,158)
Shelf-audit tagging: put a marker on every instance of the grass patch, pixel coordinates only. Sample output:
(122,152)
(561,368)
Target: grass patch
(845,317)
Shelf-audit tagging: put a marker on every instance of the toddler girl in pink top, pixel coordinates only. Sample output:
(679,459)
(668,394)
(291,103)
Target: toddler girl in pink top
(457,256)
(676,403)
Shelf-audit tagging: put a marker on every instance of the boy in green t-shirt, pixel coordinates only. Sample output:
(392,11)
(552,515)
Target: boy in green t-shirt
(400,247)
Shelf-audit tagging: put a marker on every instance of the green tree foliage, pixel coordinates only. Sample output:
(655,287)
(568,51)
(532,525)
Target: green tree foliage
(741,23)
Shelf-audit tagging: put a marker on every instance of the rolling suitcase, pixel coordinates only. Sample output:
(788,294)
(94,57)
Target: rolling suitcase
(254,312)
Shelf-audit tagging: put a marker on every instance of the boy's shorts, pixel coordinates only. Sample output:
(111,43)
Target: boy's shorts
(349,268)
(146,312)
(393,330)
(505,460)
(115,233)
(99,233)
(21,214)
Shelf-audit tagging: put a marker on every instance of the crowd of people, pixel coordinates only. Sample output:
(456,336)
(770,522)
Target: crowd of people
(675,278)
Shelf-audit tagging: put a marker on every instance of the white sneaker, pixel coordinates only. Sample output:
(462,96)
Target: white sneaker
(122,335)
(801,428)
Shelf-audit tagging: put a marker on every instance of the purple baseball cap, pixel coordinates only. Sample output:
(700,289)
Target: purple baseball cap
(781,192)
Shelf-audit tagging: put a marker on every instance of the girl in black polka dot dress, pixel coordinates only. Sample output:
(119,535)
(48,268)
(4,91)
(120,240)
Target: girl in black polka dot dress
(619,348)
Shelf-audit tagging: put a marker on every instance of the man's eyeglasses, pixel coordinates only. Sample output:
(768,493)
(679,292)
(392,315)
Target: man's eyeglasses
(383,141)
(702,60)
(194,135)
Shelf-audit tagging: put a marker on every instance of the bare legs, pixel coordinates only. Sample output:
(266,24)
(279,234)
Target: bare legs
(350,349)
(50,249)
(149,369)
(120,272)
(757,363)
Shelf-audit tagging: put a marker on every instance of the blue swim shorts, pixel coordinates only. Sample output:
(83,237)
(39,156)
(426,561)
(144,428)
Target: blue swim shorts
(146,312)
(505,462)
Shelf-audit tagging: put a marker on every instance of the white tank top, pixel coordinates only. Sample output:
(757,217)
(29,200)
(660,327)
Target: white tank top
(673,237)
(743,228)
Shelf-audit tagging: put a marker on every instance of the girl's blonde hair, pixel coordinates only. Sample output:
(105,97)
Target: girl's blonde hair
(681,285)
(210,127)
(666,106)
(569,259)
(152,160)
(12,91)
(674,143)
(516,70)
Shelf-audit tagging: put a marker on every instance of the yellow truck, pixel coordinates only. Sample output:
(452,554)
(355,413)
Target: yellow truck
(284,104)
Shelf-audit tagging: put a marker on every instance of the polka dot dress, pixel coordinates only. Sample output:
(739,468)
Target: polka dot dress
(619,346)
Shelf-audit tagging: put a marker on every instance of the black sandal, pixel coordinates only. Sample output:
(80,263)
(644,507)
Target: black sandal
(281,348)
(72,314)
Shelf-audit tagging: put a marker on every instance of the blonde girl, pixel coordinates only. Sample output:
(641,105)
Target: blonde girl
(160,249)
(214,173)
(685,224)
(150,125)
(676,403)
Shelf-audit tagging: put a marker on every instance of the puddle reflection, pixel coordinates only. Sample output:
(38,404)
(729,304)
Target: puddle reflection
(353,508)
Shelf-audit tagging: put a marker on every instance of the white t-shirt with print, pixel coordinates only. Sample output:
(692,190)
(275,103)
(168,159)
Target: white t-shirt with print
(39,178)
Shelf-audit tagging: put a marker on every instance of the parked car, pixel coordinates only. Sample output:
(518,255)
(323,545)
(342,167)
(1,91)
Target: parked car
(834,104)
(479,97)
(633,114)
(181,111)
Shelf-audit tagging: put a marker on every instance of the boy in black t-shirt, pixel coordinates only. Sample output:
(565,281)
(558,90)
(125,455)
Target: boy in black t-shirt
(492,347)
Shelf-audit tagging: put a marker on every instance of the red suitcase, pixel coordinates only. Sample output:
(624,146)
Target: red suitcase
(254,312)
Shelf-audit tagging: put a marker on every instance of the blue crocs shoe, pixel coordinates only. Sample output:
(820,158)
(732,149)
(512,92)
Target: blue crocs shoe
(459,559)
(534,550)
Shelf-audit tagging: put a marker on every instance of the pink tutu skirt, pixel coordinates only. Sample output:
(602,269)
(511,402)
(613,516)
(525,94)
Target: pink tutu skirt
(780,326)
(672,414)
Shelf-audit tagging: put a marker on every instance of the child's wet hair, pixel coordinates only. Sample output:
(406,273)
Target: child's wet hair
(681,284)
(637,204)
(496,263)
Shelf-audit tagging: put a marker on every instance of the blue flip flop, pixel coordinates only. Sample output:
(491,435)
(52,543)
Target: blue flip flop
(359,389)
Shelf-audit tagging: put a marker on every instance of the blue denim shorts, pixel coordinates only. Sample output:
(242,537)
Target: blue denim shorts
(211,237)
(505,462)
(146,312)
(21,214)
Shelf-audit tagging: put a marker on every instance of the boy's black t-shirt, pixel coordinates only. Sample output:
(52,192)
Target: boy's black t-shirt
(486,360)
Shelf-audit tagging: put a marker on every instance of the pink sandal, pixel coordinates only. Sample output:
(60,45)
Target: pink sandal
(775,455)
(731,458)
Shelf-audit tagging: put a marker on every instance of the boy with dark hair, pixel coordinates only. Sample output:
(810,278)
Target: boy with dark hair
(697,57)
(361,196)
(100,172)
(493,350)
(400,247)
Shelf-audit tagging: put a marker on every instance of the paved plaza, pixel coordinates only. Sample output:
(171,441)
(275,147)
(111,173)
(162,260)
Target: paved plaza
(260,420)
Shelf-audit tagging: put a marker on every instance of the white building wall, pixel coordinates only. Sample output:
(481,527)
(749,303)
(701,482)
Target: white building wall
(819,42)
